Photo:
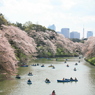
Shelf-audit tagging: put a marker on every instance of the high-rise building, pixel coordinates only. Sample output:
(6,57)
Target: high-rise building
(89,34)
(75,34)
(52,27)
(65,32)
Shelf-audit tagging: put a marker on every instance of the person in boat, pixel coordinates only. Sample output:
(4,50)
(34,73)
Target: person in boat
(75,78)
(30,73)
(63,78)
(71,78)
(67,65)
(65,62)
(53,67)
(29,80)
(42,66)
(53,92)
(79,57)
(74,68)
(17,75)
(47,79)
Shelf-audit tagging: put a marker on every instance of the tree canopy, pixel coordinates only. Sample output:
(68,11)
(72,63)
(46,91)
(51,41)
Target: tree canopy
(3,20)
(27,26)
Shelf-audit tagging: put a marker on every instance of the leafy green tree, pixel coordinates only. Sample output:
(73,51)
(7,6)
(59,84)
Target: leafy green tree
(75,40)
(19,25)
(3,20)
(28,26)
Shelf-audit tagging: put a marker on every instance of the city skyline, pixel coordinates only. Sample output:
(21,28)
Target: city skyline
(74,34)
(81,36)
(74,14)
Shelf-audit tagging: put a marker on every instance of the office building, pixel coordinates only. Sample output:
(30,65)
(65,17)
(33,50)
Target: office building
(52,27)
(65,32)
(75,34)
(89,34)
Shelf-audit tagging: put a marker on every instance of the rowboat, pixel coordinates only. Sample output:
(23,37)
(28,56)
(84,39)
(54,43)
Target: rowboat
(42,66)
(29,82)
(24,65)
(18,77)
(47,81)
(67,65)
(76,63)
(65,80)
(33,65)
(30,74)
(51,66)
(75,69)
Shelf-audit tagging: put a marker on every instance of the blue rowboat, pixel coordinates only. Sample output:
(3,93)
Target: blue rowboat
(24,65)
(75,69)
(66,80)
(42,66)
(47,81)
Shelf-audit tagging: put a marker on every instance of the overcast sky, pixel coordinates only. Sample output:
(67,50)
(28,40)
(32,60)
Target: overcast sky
(73,14)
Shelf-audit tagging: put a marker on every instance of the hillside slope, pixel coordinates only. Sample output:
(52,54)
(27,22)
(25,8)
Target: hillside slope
(51,44)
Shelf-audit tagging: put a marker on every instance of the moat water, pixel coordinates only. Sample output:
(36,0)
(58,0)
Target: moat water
(85,74)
